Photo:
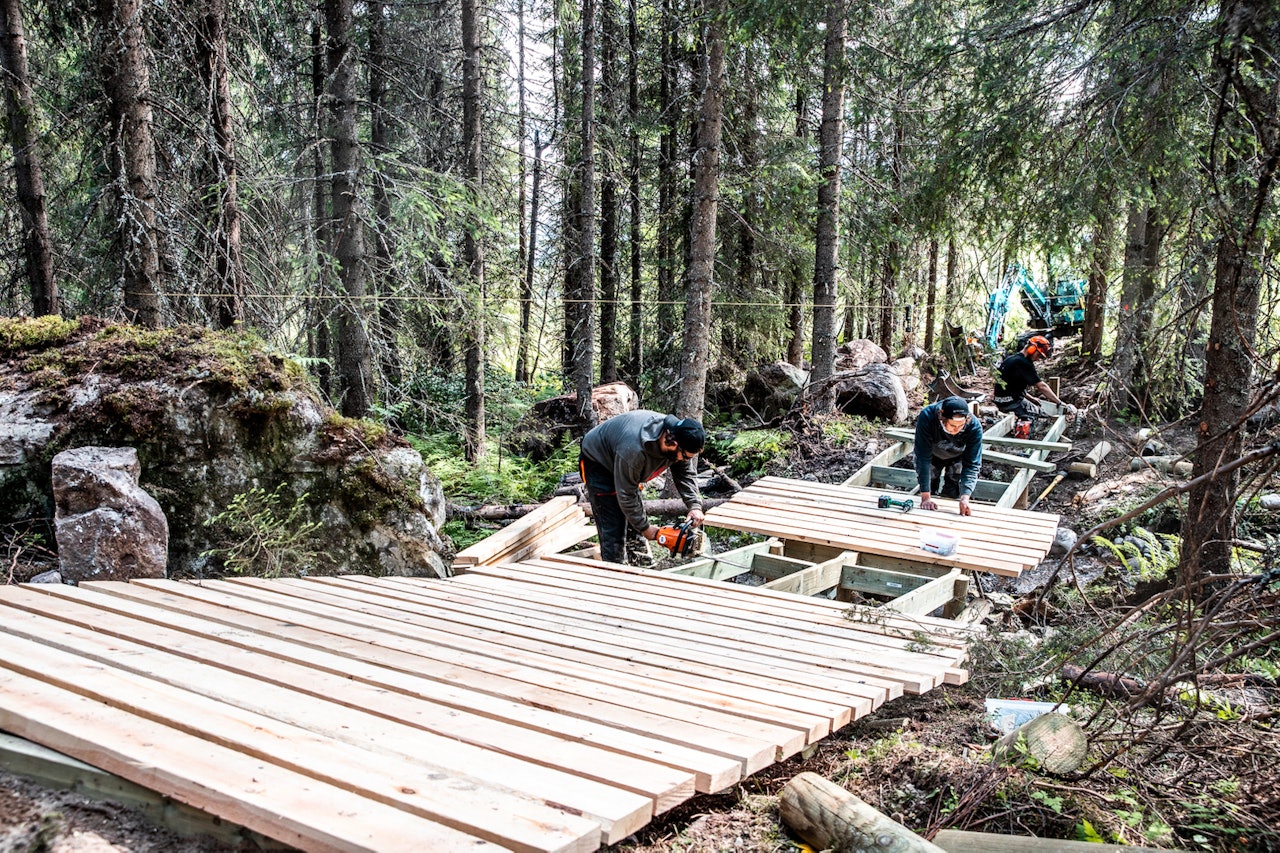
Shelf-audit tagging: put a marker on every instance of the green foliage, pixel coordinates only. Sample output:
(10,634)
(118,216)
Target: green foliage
(264,536)
(499,477)
(1151,557)
(844,431)
(749,451)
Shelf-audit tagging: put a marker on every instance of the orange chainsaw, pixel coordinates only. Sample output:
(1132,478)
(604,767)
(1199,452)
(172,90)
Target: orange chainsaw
(681,541)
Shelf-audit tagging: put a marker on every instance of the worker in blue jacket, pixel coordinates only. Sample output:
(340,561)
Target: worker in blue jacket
(948,436)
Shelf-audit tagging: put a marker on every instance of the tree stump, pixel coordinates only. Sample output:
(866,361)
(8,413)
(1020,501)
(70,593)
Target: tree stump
(827,817)
(1055,741)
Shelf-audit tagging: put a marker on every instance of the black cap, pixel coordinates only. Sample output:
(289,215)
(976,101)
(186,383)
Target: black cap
(953,407)
(687,432)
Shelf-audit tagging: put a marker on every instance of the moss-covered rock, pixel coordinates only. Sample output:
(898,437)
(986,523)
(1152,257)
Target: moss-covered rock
(212,415)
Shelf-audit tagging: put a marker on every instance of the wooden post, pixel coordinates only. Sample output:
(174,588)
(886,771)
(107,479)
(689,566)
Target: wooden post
(1055,741)
(1088,467)
(827,817)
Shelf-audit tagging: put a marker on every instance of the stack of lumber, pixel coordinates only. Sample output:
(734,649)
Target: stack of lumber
(558,524)
(553,705)
(994,539)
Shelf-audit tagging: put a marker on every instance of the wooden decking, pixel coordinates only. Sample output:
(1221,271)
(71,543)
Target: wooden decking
(554,704)
(994,539)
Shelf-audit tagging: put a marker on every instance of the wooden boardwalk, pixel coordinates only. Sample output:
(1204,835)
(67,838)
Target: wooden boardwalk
(994,539)
(554,704)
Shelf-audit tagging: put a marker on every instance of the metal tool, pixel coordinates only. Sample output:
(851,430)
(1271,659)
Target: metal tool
(681,541)
(885,502)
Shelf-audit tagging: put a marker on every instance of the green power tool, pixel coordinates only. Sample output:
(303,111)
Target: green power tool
(885,502)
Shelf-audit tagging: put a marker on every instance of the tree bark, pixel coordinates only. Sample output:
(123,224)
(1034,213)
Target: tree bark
(523,252)
(473,246)
(228,280)
(127,83)
(931,295)
(828,817)
(635,360)
(695,354)
(609,202)
(1095,311)
(28,174)
(1247,38)
(388,353)
(320,344)
(580,329)
(827,236)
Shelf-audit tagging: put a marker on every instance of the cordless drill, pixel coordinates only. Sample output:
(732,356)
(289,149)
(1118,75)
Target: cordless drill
(884,502)
(682,541)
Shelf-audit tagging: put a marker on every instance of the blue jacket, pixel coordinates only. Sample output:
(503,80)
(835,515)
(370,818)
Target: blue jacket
(934,443)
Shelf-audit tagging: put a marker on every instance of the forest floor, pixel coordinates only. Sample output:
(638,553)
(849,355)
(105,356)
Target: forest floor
(1205,780)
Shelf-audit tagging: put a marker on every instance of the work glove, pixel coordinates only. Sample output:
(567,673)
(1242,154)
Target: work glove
(1071,410)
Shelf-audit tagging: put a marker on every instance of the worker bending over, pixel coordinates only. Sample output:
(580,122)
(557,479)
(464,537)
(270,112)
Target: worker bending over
(1017,373)
(618,457)
(948,437)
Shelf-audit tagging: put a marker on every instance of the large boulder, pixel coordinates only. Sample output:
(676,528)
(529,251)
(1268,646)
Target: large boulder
(107,527)
(213,416)
(857,354)
(771,389)
(874,392)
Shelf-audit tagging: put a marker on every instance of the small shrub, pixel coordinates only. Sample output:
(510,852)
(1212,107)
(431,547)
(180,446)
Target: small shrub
(265,537)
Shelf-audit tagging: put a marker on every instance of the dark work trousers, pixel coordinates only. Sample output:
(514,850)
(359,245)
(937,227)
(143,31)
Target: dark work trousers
(948,472)
(611,524)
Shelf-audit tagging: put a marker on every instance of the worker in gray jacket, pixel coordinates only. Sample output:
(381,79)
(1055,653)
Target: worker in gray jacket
(618,457)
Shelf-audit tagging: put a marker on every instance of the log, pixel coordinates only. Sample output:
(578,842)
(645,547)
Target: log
(1105,683)
(1055,741)
(827,817)
(1087,468)
(1174,465)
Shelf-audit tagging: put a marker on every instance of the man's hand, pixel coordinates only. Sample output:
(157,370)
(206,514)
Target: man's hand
(964,505)
(927,501)
(1071,410)
(696,516)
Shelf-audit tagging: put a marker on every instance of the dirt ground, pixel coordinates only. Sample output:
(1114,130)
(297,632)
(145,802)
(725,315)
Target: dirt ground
(918,759)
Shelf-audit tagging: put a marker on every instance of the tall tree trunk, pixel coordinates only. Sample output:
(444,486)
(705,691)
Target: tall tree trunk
(523,252)
(893,252)
(580,310)
(695,354)
(320,340)
(1095,309)
(795,312)
(526,365)
(473,246)
(1246,174)
(354,358)
(1126,355)
(609,202)
(952,299)
(931,295)
(670,112)
(827,237)
(384,235)
(133,156)
(28,176)
(228,280)
(636,326)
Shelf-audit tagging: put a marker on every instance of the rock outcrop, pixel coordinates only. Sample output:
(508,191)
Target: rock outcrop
(212,416)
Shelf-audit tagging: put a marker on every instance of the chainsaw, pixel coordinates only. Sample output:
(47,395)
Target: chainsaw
(682,541)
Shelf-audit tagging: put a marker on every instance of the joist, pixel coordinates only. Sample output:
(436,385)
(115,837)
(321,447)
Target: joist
(1031,462)
(908,436)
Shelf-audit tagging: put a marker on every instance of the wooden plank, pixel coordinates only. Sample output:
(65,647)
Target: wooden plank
(998,440)
(395,697)
(683,724)
(274,801)
(848,652)
(726,564)
(418,789)
(773,567)
(928,597)
(901,478)
(522,530)
(1017,489)
(881,581)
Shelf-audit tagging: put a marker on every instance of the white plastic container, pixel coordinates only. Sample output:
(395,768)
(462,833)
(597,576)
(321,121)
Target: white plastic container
(938,542)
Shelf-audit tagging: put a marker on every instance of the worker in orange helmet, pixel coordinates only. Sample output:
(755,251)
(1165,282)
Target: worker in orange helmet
(1017,373)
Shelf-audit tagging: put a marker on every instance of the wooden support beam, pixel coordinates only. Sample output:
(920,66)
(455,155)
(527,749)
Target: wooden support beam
(815,579)
(1019,461)
(987,438)
(885,457)
(927,598)
(827,817)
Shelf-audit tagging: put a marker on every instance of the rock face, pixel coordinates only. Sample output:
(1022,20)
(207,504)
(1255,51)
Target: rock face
(771,389)
(107,527)
(212,416)
(552,422)
(856,355)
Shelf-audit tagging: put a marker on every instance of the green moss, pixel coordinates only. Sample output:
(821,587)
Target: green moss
(39,333)
(370,494)
(365,431)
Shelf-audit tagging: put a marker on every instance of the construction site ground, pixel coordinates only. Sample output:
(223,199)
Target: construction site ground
(914,759)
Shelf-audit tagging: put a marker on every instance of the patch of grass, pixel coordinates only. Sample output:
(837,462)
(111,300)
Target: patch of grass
(500,477)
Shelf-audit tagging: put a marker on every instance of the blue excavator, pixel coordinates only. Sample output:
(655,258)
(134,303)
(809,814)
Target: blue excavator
(1058,309)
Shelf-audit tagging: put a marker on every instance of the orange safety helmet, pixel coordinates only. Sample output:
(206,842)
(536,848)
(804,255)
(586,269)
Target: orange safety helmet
(1037,345)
